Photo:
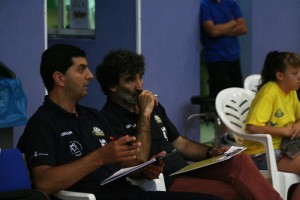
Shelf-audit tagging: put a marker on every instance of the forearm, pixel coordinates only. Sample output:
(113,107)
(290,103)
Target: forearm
(190,150)
(53,179)
(219,29)
(239,29)
(144,136)
(276,131)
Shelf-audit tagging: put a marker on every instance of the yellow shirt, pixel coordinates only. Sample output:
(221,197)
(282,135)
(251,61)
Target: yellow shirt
(272,107)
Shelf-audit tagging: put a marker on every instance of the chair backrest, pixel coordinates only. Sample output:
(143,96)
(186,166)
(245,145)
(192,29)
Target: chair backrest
(232,106)
(252,82)
(13,172)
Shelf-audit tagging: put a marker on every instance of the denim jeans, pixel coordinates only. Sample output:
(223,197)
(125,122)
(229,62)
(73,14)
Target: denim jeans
(261,161)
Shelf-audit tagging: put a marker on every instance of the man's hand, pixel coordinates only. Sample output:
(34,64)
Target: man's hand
(147,100)
(152,171)
(219,151)
(123,149)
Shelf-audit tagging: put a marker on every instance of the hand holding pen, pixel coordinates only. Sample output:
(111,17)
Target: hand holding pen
(146,98)
(119,150)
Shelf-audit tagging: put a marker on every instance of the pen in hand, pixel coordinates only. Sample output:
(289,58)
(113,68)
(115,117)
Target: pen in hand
(140,91)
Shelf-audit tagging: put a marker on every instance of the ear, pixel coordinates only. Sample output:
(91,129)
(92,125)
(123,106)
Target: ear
(279,76)
(58,78)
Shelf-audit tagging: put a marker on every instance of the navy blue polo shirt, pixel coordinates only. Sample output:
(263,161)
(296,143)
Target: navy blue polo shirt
(163,132)
(54,137)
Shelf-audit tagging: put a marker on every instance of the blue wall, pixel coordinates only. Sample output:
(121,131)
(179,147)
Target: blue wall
(170,42)
(22,42)
(115,28)
(275,26)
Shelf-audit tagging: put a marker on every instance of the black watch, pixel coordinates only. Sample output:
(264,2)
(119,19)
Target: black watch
(209,151)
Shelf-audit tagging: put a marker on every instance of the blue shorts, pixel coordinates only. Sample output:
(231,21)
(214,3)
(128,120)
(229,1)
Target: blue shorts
(261,161)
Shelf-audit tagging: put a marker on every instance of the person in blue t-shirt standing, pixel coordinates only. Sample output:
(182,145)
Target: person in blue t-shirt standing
(221,22)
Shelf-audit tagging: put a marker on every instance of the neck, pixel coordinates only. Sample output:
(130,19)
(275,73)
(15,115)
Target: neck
(283,88)
(64,102)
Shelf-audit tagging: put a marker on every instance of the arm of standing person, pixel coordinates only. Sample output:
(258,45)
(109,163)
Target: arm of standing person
(239,29)
(51,179)
(195,151)
(217,30)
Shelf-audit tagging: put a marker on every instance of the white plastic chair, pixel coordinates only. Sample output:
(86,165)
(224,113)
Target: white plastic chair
(232,105)
(70,195)
(147,185)
(252,82)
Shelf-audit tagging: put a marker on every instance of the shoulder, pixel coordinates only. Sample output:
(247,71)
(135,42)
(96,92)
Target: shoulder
(90,112)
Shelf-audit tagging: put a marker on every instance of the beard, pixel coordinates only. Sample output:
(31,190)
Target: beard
(128,97)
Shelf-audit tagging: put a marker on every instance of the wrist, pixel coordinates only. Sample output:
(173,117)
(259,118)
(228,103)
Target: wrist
(209,152)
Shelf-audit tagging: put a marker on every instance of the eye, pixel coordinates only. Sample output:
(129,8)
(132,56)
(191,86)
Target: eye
(82,68)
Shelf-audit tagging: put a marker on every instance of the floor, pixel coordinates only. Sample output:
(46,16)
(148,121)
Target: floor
(207,132)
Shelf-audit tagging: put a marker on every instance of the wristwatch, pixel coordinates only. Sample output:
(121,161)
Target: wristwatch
(209,152)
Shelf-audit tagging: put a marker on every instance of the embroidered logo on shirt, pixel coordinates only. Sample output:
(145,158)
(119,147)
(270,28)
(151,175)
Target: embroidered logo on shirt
(130,125)
(36,154)
(157,119)
(75,148)
(66,133)
(97,131)
(279,113)
(164,130)
(102,142)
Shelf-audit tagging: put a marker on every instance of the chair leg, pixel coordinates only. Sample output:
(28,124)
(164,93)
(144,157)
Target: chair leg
(218,134)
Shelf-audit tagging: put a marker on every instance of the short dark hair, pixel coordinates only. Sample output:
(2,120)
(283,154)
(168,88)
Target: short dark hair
(115,64)
(57,58)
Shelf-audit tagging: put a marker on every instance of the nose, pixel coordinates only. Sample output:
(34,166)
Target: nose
(139,83)
(89,75)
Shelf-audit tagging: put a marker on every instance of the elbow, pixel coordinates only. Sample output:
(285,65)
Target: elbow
(250,129)
(44,187)
(244,31)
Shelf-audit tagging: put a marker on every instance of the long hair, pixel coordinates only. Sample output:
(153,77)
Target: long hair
(277,62)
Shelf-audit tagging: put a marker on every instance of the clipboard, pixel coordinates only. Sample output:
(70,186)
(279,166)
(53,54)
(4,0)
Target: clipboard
(234,150)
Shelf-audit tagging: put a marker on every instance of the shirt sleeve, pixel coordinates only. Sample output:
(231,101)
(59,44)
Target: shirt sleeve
(260,110)
(235,9)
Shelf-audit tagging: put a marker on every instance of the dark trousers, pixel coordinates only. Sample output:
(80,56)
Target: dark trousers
(223,74)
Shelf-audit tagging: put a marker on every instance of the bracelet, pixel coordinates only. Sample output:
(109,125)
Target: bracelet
(208,152)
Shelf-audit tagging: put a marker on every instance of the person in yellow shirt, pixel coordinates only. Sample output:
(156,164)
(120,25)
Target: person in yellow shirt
(275,109)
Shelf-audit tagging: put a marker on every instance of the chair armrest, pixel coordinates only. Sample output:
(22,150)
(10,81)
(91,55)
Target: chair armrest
(70,195)
(150,185)
(266,139)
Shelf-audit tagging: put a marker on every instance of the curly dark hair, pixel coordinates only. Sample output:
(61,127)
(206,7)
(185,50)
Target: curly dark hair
(115,64)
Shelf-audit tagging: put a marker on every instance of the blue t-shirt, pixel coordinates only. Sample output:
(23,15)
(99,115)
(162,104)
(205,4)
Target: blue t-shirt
(223,48)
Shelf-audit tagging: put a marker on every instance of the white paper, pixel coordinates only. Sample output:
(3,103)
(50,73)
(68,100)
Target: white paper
(124,171)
